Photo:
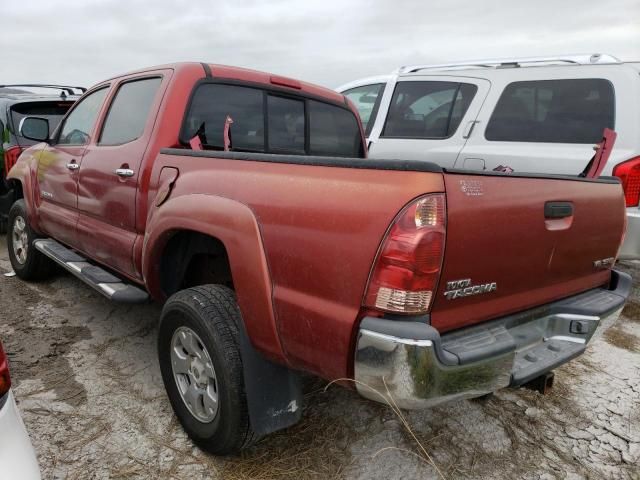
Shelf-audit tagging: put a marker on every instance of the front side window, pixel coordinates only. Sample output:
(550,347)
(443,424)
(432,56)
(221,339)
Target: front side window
(129,110)
(210,107)
(286,125)
(366,100)
(553,111)
(79,124)
(427,109)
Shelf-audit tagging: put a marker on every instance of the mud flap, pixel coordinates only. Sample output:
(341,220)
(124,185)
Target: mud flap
(274,392)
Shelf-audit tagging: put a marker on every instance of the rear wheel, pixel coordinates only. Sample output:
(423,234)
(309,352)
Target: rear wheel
(198,348)
(27,262)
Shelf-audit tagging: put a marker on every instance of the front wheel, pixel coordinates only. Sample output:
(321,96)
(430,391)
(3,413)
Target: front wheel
(199,353)
(27,262)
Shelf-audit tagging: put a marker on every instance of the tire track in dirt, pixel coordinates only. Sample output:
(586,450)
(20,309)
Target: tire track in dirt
(37,348)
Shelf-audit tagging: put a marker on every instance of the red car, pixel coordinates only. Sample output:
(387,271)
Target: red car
(244,202)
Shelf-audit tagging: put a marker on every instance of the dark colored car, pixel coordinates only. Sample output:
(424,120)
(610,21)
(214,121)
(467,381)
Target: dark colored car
(17,102)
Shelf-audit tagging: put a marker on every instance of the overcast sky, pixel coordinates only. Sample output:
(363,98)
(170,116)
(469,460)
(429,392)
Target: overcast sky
(327,42)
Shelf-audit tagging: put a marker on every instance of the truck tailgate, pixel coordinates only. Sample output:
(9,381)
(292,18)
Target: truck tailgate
(519,241)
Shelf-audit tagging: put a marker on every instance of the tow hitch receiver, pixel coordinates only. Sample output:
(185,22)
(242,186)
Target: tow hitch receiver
(541,384)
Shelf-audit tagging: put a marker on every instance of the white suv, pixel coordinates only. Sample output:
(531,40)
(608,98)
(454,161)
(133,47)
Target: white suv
(533,115)
(17,457)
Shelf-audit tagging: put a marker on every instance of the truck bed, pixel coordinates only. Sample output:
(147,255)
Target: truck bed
(322,221)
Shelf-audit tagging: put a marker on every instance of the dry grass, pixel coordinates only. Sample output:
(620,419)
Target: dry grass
(315,448)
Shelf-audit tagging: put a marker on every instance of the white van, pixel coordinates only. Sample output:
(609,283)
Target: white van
(532,115)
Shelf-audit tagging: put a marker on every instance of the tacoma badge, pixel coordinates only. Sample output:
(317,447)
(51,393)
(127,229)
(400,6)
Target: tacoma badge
(463,288)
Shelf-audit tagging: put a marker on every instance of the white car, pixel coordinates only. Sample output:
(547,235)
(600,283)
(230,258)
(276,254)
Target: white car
(17,457)
(535,115)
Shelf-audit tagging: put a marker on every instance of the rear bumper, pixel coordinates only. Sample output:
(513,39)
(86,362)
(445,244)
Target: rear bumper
(418,368)
(631,246)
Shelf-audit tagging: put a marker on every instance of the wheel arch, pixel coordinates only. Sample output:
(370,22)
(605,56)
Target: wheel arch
(220,226)
(21,180)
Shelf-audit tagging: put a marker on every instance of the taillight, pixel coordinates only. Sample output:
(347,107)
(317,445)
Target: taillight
(629,174)
(11,155)
(406,272)
(5,380)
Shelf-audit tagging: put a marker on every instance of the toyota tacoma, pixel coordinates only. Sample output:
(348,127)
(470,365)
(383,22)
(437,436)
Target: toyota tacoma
(245,203)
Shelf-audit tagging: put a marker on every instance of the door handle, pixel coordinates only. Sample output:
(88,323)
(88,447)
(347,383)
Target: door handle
(73,165)
(469,128)
(558,210)
(124,172)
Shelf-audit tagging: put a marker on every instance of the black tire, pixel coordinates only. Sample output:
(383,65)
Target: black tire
(212,313)
(35,266)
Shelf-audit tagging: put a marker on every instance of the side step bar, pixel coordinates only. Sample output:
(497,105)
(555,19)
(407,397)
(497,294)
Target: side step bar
(106,283)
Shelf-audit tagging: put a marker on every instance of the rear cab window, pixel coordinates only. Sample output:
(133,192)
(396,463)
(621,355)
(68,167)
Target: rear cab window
(367,100)
(427,109)
(553,111)
(270,121)
(286,125)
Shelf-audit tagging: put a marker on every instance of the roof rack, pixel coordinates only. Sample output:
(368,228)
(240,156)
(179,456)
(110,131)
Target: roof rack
(65,89)
(581,59)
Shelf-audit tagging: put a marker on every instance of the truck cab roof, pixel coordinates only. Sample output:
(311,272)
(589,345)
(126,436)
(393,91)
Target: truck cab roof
(216,71)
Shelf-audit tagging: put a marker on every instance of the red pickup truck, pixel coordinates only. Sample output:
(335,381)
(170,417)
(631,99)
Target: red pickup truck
(245,202)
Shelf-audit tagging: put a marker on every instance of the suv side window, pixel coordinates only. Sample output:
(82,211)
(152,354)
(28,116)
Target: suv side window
(367,100)
(427,109)
(128,112)
(553,111)
(79,124)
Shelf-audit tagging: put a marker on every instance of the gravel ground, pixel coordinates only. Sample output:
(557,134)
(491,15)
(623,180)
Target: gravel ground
(89,387)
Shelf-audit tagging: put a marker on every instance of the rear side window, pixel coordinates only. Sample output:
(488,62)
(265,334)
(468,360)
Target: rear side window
(553,111)
(129,111)
(268,121)
(211,105)
(427,109)
(333,131)
(52,111)
(367,100)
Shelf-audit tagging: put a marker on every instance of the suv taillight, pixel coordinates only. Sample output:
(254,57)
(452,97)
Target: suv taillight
(11,155)
(406,272)
(629,174)
(5,380)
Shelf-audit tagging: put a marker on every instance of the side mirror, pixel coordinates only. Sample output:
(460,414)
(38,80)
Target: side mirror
(34,128)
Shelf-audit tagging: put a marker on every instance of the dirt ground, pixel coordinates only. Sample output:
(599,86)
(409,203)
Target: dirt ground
(87,381)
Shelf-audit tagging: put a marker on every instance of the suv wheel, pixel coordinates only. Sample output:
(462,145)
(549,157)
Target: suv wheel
(198,348)
(27,262)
